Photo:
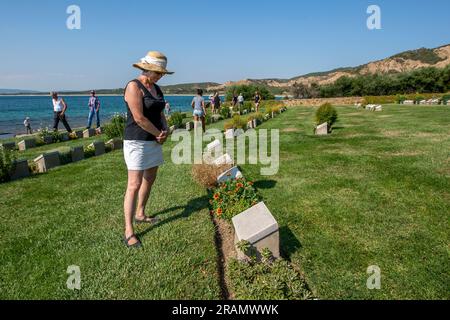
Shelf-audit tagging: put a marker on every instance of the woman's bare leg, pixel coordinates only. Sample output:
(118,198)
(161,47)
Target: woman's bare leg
(144,192)
(129,206)
(203,124)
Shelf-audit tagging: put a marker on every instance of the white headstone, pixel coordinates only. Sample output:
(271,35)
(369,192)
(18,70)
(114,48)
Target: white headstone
(229,134)
(213,145)
(322,129)
(225,159)
(233,173)
(379,108)
(257,226)
(238,132)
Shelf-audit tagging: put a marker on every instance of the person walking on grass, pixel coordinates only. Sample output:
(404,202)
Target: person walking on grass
(145,132)
(241,101)
(198,104)
(59,112)
(217,102)
(94,110)
(257,101)
(27,125)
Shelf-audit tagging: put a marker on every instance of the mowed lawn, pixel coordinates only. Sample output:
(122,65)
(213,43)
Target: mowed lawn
(375,192)
(73,216)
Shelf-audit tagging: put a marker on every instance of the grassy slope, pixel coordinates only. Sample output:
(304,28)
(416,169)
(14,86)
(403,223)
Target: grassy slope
(375,192)
(73,216)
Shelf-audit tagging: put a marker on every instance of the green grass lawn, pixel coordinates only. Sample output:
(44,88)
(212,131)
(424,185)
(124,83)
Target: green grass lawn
(73,216)
(375,192)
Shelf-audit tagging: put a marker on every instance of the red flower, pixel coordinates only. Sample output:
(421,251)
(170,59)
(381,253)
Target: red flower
(216,196)
(219,212)
(239,185)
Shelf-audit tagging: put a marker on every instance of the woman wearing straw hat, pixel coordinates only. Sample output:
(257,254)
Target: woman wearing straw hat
(145,132)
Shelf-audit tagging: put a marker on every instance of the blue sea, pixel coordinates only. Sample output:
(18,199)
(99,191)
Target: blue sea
(14,110)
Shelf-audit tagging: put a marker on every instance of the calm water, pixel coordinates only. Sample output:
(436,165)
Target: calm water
(13,111)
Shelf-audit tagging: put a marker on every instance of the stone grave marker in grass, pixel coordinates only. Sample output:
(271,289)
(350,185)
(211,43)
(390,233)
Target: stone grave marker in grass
(238,132)
(88,133)
(47,161)
(229,134)
(379,108)
(77,153)
(255,123)
(214,145)
(115,143)
(99,147)
(322,129)
(250,124)
(233,173)
(172,129)
(225,159)
(79,134)
(257,226)
(48,139)
(20,170)
(65,136)
(26,144)
(9,145)
(189,126)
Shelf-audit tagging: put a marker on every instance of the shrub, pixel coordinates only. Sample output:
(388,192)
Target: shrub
(233,197)
(400,98)
(56,136)
(225,112)
(379,100)
(228,125)
(266,280)
(176,119)
(237,122)
(418,98)
(445,98)
(7,158)
(206,174)
(44,134)
(326,113)
(89,151)
(116,128)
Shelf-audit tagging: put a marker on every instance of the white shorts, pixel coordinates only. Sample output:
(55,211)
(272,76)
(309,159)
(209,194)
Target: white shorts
(142,155)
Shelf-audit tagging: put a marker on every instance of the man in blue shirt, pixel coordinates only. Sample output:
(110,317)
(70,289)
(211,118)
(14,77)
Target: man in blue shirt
(94,109)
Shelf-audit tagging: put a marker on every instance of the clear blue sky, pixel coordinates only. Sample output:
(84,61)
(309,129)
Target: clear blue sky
(204,40)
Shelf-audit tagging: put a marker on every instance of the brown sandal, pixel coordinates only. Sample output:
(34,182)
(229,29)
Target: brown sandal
(138,244)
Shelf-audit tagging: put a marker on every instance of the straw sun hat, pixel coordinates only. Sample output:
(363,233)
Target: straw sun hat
(153,61)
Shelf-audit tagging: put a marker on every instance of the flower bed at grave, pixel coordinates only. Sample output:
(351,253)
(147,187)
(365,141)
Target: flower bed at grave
(233,197)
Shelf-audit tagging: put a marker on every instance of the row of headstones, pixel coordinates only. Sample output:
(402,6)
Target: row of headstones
(250,124)
(256,225)
(426,102)
(51,160)
(31,143)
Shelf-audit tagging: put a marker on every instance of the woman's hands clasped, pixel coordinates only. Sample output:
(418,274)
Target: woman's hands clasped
(162,137)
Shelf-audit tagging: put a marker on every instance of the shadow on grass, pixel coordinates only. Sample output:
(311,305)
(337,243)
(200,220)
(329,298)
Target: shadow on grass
(192,206)
(265,184)
(289,243)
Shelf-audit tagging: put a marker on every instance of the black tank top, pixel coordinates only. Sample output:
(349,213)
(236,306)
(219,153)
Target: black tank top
(152,108)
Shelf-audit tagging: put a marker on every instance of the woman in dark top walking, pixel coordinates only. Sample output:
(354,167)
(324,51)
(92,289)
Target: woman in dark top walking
(145,132)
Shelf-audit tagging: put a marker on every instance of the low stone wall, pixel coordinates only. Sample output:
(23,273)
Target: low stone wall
(320,101)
